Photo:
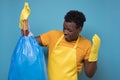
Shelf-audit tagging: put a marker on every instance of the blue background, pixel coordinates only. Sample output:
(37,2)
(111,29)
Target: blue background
(103,18)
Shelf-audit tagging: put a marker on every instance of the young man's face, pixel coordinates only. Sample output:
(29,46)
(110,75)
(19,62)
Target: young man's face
(71,33)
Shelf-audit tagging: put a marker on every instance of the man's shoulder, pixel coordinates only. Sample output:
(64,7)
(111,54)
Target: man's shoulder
(84,41)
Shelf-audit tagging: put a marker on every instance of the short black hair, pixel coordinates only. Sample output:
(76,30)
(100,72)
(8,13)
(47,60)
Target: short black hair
(76,17)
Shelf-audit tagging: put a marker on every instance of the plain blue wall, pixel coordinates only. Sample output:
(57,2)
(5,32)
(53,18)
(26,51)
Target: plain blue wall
(103,18)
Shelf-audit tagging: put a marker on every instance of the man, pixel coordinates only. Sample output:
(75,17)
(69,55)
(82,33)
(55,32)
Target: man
(68,50)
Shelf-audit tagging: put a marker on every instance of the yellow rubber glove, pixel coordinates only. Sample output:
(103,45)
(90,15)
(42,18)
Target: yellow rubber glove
(95,48)
(24,16)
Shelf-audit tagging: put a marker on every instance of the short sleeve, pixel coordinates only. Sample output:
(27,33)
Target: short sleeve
(47,38)
(88,49)
(87,53)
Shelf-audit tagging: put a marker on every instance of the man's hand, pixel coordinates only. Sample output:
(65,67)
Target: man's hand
(95,48)
(24,16)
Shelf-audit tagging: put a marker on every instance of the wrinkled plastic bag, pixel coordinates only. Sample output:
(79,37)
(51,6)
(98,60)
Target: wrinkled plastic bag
(27,62)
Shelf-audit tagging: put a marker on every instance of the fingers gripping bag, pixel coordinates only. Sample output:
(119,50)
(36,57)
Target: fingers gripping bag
(27,61)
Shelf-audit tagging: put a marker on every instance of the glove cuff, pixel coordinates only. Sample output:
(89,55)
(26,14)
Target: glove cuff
(93,57)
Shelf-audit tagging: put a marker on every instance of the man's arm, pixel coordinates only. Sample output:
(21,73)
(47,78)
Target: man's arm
(39,40)
(25,32)
(90,65)
(90,68)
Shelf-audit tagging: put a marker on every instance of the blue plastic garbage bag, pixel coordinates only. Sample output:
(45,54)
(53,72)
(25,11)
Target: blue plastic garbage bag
(27,62)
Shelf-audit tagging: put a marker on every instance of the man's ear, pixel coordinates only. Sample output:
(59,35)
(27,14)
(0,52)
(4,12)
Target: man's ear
(80,29)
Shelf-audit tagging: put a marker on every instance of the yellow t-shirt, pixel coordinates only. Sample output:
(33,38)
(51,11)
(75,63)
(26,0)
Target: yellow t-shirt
(50,38)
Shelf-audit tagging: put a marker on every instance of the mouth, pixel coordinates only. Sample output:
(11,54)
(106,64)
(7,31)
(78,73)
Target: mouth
(67,38)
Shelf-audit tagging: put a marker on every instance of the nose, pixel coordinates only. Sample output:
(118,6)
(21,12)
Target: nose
(65,32)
